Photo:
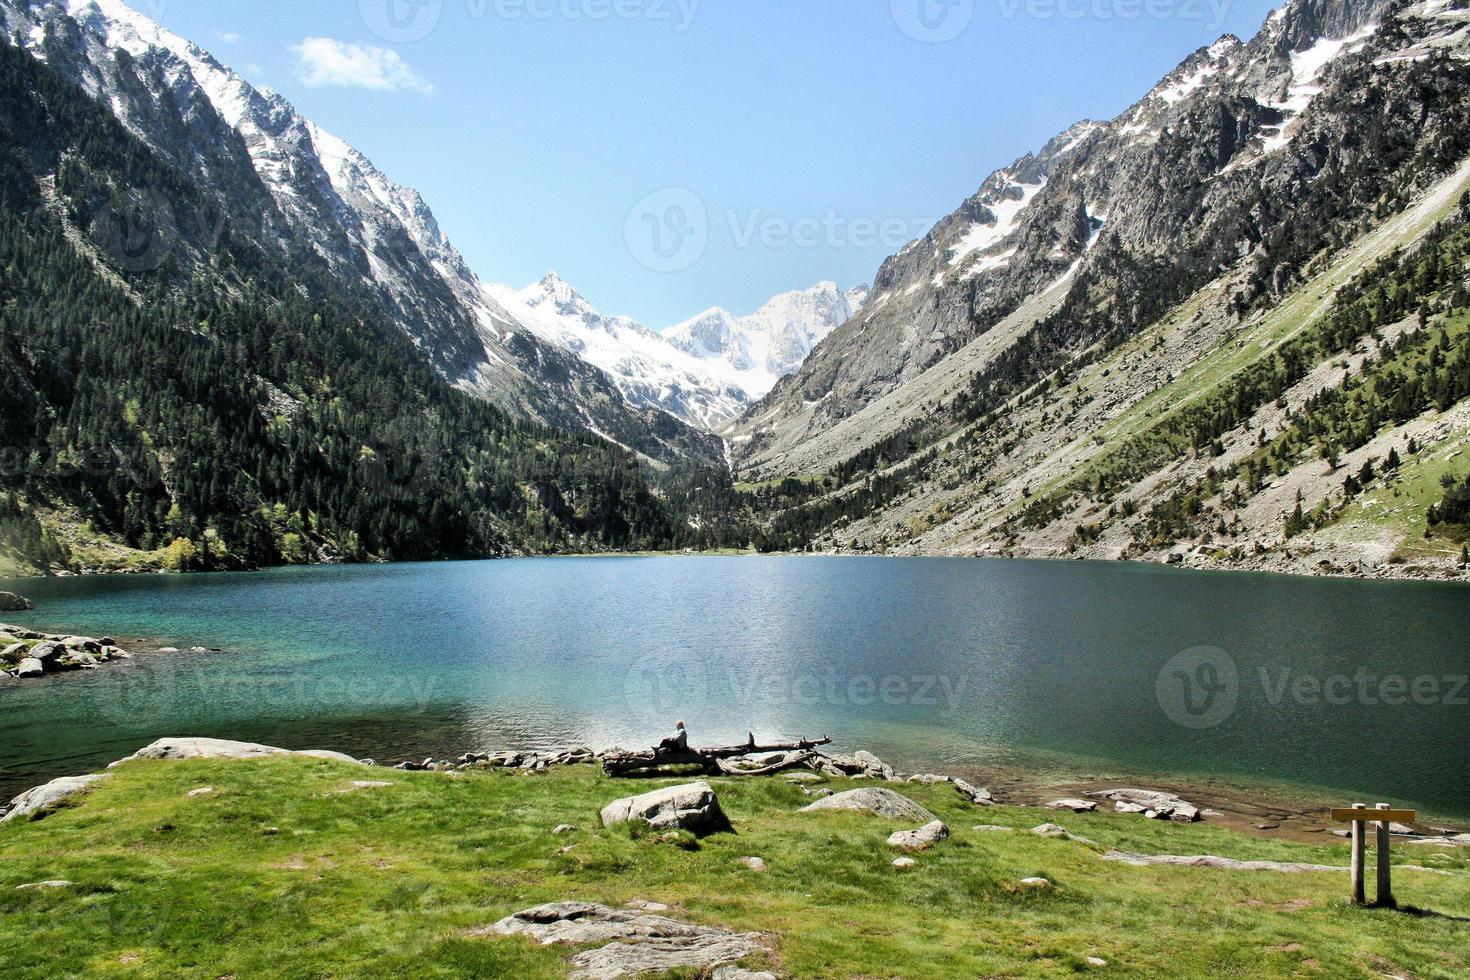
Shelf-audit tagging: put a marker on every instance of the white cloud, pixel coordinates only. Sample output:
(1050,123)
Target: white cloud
(322,61)
(229,37)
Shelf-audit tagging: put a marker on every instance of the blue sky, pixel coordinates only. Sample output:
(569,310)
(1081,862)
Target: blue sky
(768,143)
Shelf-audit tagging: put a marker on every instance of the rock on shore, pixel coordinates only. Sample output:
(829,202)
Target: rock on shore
(26,653)
(10,602)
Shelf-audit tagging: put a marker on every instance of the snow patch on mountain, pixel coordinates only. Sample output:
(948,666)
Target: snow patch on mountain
(754,352)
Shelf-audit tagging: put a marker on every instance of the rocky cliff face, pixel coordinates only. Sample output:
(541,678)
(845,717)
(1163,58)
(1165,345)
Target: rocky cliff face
(1175,335)
(290,181)
(1243,158)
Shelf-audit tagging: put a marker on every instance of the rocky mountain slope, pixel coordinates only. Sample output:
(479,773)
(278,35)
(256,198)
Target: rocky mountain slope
(283,178)
(1093,295)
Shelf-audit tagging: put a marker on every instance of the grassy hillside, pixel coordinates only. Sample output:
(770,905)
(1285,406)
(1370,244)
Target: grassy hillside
(286,869)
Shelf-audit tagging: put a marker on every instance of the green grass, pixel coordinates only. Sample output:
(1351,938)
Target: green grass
(282,873)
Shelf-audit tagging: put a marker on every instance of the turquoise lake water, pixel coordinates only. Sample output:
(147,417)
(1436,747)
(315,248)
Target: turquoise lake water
(1358,686)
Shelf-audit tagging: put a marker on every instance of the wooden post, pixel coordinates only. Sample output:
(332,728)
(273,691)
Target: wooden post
(1385,885)
(1359,816)
(1359,847)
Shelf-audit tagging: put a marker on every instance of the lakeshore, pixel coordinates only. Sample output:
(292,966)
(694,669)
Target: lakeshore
(192,856)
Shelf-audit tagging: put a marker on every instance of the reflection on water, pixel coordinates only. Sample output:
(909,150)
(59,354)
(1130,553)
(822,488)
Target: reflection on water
(927,661)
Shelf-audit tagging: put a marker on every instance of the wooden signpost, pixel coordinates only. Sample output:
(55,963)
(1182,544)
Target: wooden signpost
(1360,816)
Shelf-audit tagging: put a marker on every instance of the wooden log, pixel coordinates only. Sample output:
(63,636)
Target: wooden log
(1385,870)
(1359,842)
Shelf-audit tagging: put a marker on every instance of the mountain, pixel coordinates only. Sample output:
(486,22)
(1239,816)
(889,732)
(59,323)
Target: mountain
(1121,345)
(286,179)
(195,393)
(755,351)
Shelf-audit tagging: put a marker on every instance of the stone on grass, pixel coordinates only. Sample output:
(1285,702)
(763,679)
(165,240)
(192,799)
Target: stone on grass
(1096,961)
(219,748)
(637,942)
(739,973)
(43,884)
(753,863)
(1035,883)
(1059,833)
(1076,806)
(563,828)
(917,840)
(692,806)
(34,801)
(992,828)
(975,794)
(883,802)
(904,862)
(201,791)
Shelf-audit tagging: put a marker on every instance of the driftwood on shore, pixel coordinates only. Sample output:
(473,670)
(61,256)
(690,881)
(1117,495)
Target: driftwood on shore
(712,760)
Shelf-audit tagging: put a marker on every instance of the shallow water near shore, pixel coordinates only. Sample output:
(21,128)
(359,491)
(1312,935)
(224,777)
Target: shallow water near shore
(1337,685)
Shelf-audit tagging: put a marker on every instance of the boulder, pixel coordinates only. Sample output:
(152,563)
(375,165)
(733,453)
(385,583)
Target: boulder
(10,602)
(219,748)
(691,806)
(872,764)
(42,798)
(637,941)
(976,795)
(1152,803)
(1076,806)
(12,653)
(875,799)
(30,667)
(82,643)
(48,652)
(917,840)
(927,779)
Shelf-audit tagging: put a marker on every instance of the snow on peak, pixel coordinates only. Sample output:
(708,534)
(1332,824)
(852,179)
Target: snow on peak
(755,351)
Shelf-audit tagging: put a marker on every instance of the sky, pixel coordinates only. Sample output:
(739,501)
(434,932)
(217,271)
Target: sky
(666,156)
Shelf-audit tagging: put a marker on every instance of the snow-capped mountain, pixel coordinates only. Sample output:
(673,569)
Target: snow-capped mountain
(648,370)
(754,352)
(705,371)
(292,182)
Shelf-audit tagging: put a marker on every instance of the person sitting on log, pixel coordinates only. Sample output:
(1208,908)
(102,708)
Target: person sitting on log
(678,742)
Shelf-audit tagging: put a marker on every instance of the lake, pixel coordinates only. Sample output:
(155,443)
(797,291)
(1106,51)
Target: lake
(1346,685)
